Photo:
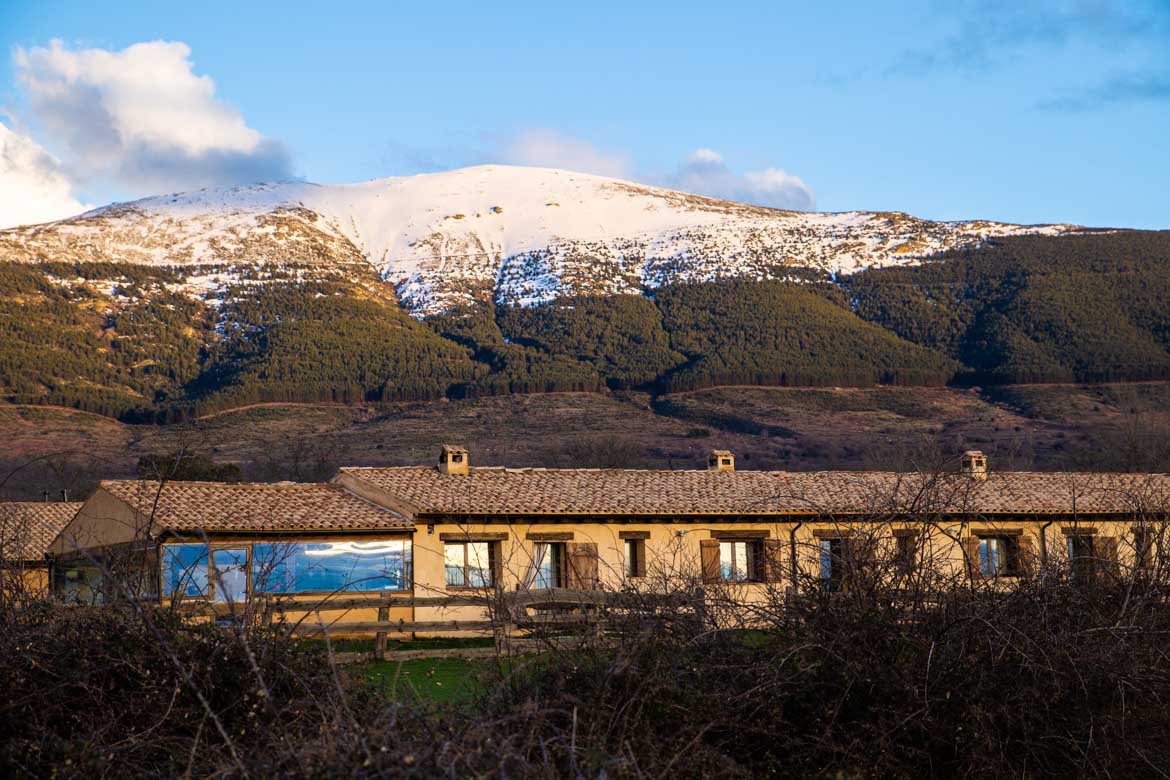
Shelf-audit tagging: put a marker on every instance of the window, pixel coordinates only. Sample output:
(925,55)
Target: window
(470,564)
(832,563)
(308,567)
(635,557)
(78,583)
(905,553)
(739,561)
(1082,556)
(548,565)
(230,574)
(997,556)
(1142,548)
(185,570)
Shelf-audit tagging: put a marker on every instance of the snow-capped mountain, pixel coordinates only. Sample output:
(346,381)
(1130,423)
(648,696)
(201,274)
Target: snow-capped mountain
(520,235)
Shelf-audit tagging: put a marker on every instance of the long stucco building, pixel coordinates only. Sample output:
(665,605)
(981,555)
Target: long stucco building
(452,528)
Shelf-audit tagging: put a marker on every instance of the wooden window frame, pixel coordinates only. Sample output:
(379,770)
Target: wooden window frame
(906,561)
(493,563)
(1143,547)
(558,548)
(549,536)
(741,535)
(635,555)
(837,580)
(1013,567)
(247,542)
(1081,565)
(211,584)
(472,537)
(753,551)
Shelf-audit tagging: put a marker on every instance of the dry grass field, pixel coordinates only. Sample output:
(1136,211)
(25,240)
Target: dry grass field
(1029,426)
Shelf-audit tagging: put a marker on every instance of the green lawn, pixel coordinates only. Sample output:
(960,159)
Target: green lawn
(433,679)
(430,643)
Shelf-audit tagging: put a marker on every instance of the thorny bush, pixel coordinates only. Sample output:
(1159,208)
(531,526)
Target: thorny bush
(1046,679)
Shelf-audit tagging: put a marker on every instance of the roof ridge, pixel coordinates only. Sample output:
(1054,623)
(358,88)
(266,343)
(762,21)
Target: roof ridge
(202,483)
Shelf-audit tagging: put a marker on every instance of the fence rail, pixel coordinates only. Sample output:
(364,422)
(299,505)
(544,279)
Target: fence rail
(504,613)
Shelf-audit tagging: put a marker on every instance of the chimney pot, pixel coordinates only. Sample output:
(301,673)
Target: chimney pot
(974,464)
(721,460)
(453,459)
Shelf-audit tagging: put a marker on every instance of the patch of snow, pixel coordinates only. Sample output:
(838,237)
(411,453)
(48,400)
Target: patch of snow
(449,238)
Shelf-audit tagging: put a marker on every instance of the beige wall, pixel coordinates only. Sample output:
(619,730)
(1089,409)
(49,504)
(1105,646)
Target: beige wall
(102,521)
(673,550)
(25,578)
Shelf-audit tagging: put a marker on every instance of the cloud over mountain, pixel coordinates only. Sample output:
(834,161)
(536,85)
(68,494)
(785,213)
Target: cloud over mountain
(550,149)
(33,187)
(142,119)
(705,172)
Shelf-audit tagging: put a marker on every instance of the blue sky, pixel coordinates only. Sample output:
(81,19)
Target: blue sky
(1053,110)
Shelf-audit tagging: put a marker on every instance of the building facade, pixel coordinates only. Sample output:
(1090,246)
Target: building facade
(452,529)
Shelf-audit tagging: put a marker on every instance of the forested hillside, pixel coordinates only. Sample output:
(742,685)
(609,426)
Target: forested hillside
(1030,309)
(785,333)
(133,342)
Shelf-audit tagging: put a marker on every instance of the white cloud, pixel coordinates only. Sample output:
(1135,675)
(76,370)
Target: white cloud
(550,149)
(142,119)
(704,172)
(33,188)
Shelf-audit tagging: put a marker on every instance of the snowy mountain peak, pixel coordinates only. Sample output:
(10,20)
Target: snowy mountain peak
(520,235)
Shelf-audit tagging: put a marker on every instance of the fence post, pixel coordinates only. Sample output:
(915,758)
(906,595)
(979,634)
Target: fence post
(380,637)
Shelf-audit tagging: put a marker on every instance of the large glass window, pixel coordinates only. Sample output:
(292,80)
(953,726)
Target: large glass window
(303,567)
(184,570)
(469,564)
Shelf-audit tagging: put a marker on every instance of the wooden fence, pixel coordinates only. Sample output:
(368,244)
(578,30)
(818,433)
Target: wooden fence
(505,613)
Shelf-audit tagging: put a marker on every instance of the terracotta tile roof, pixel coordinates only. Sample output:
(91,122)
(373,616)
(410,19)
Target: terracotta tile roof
(27,528)
(422,490)
(284,506)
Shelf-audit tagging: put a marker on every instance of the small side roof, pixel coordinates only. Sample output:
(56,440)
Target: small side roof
(28,528)
(252,506)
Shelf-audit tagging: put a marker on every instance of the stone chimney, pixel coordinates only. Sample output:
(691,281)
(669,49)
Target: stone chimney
(453,459)
(721,460)
(974,464)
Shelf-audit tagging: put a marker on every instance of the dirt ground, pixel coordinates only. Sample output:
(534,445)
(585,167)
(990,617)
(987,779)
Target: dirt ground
(1047,427)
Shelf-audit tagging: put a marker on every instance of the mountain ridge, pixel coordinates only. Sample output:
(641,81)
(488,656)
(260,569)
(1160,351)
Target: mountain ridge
(514,235)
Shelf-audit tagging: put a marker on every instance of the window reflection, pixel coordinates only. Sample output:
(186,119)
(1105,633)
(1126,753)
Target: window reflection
(468,564)
(231,575)
(184,570)
(305,567)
